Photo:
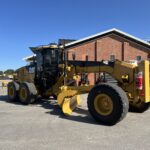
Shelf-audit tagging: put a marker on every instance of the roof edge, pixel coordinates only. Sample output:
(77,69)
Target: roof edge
(107,32)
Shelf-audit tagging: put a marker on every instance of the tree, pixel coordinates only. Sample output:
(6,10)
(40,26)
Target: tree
(1,72)
(9,71)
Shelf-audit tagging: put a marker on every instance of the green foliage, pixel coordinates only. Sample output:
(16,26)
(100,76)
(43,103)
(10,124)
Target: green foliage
(1,72)
(9,71)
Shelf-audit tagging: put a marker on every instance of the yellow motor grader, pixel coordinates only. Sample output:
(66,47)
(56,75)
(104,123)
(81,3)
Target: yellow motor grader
(51,74)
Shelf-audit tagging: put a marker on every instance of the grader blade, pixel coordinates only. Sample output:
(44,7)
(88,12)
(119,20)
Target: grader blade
(70,104)
(65,94)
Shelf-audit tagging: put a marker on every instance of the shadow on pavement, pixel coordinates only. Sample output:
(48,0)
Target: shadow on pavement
(3,98)
(81,115)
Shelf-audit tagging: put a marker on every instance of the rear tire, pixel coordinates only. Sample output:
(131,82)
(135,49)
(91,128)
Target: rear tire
(27,93)
(139,107)
(108,103)
(12,90)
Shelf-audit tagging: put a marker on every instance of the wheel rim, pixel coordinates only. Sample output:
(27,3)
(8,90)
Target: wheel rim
(11,91)
(23,94)
(103,104)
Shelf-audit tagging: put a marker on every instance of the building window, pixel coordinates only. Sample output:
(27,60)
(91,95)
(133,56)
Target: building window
(138,58)
(112,57)
(86,57)
(73,55)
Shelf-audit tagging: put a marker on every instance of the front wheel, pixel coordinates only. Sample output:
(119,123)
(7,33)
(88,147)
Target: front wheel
(108,103)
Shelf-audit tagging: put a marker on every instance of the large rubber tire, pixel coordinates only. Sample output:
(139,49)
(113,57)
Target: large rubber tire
(139,107)
(119,100)
(27,93)
(12,90)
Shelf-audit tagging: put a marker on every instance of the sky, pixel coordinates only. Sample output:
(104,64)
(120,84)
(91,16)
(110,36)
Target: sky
(27,23)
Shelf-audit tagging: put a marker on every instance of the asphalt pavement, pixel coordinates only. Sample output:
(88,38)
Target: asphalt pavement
(42,126)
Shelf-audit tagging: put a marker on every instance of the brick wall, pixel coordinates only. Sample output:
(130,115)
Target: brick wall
(103,48)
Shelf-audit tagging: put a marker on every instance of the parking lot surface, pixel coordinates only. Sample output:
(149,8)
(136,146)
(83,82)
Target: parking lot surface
(42,126)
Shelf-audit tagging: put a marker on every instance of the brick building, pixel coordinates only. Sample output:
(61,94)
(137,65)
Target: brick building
(108,45)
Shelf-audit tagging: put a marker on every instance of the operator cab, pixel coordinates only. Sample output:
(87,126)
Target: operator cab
(48,58)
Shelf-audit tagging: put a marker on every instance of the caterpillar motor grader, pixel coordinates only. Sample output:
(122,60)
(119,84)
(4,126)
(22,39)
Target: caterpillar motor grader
(51,74)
